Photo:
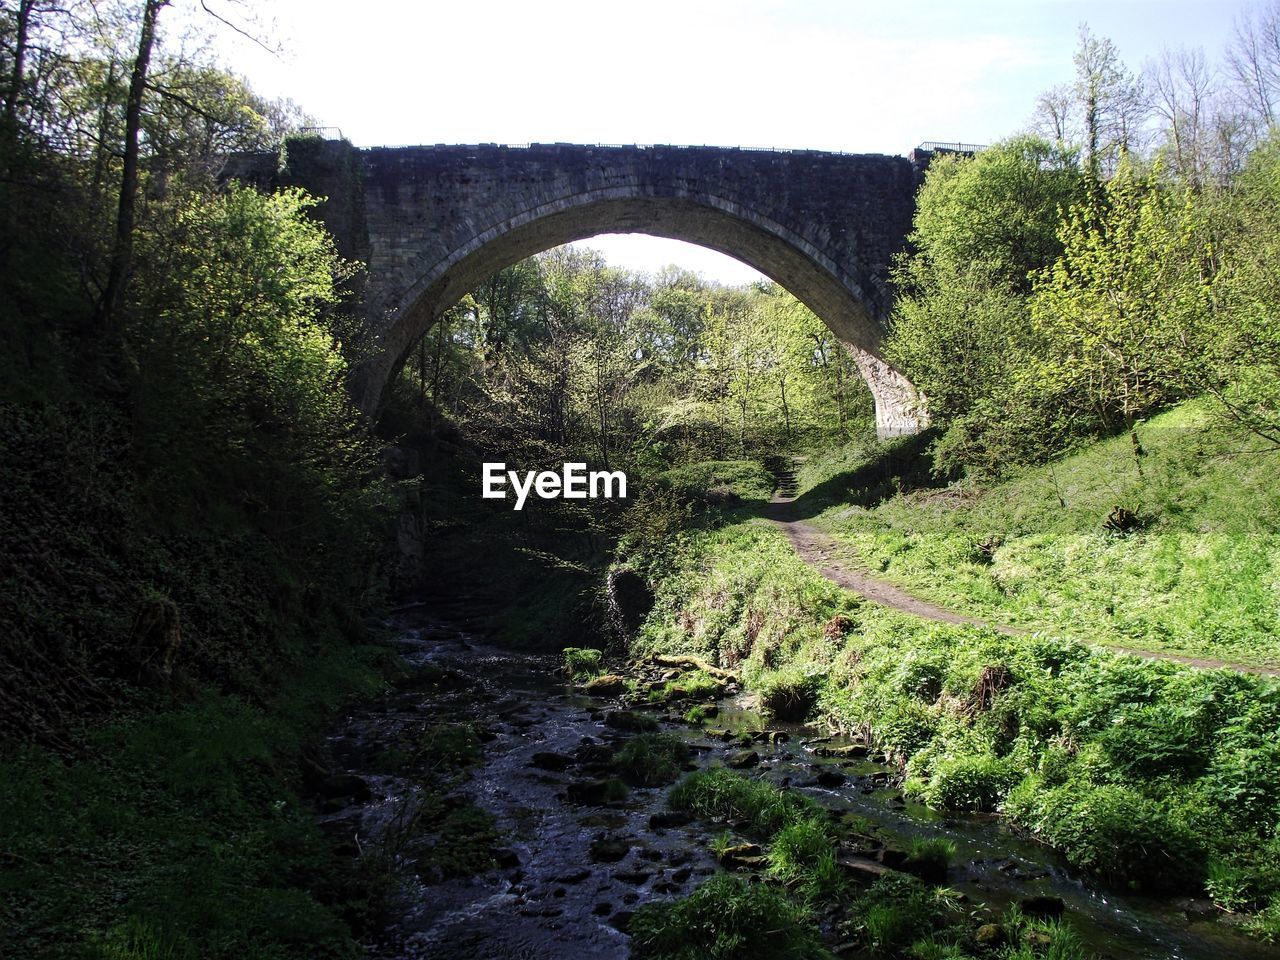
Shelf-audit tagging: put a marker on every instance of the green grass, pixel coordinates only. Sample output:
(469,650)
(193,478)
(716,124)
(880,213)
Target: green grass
(803,856)
(898,912)
(723,794)
(725,919)
(698,714)
(694,685)
(179,834)
(718,482)
(1074,744)
(651,759)
(581,663)
(1198,577)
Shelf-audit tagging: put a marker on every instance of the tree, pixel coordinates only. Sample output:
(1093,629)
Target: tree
(1123,309)
(1253,62)
(1240,361)
(122,250)
(984,227)
(1054,115)
(1182,88)
(1110,102)
(734,343)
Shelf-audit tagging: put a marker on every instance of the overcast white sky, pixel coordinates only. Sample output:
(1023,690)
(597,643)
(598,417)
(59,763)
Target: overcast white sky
(875,76)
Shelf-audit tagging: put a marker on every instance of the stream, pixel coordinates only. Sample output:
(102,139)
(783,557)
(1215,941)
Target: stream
(570,872)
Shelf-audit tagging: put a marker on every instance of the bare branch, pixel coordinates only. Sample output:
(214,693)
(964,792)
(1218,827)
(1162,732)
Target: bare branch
(237,28)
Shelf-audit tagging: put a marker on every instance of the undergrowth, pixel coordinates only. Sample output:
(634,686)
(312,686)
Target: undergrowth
(182,833)
(1145,773)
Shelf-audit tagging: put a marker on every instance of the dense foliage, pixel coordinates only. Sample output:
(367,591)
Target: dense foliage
(562,356)
(193,512)
(1139,772)
(1063,290)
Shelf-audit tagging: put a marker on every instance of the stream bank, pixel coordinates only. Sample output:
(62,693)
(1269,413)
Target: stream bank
(556,855)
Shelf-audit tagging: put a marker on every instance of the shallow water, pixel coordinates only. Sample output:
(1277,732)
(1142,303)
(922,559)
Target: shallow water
(560,902)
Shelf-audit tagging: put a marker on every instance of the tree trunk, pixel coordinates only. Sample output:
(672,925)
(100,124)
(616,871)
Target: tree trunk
(122,255)
(17,76)
(786,411)
(435,377)
(101,152)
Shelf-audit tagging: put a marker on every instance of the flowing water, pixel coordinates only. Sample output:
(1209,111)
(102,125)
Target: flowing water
(574,872)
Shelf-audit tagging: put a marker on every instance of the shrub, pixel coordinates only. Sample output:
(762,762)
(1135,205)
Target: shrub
(1157,740)
(651,759)
(904,726)
(921,675)
(969,782)
(1112,831)
(725,919)
(581,662)
(722,793)
(789,695)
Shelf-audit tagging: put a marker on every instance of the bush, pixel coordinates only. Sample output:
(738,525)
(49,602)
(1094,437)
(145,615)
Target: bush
(651,759)
(725,919)
(1158,740)
(1112,831)
(904,726)
(789,695)
(969,782)
(721,793)
(582,662)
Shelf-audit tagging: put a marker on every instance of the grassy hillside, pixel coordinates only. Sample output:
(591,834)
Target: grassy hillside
(1121,764)
(1197,574)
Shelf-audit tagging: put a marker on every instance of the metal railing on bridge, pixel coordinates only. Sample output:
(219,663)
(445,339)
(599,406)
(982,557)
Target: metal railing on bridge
(934,145)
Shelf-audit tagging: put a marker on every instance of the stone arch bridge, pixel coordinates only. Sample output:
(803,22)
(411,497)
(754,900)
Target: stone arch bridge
(433,222)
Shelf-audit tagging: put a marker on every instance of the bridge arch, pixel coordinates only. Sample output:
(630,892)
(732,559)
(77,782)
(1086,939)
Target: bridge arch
(433,223)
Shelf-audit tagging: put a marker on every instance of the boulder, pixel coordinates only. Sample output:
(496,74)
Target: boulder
(989,935)
(666,819)
(743,856)
(546,760)
(743,759)
(605,685)
(1043,907)
(609,849)
(596,792)
(831,779)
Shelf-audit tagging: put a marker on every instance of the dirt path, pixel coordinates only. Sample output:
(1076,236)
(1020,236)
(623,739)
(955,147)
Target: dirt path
(819,551)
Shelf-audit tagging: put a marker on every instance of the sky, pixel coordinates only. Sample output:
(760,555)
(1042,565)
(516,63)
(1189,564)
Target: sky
(864,76)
